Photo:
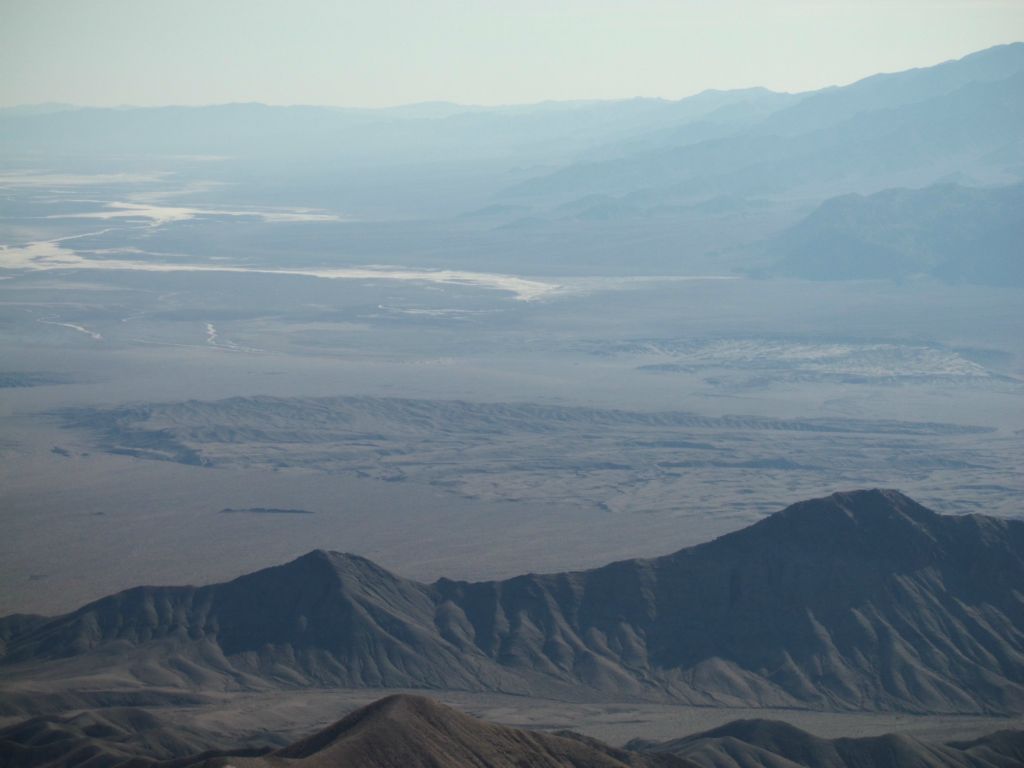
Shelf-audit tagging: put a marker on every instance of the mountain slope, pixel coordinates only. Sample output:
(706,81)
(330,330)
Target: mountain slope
(774,744)
(323,618)
(862,600)
(949,231)
(890,90)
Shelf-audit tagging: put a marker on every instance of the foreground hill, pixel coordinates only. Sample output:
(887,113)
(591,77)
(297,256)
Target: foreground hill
(395,732)
(862,600)
(774,744)
(419,733)
(406,731)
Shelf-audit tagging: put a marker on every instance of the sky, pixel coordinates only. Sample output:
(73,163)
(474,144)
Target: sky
(372,53)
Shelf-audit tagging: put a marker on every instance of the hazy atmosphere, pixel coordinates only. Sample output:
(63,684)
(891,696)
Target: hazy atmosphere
(392,52)
(459,384)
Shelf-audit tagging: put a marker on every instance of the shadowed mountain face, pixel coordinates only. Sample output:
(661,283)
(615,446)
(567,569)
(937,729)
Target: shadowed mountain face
(951,232)
(773,744)
(862,600)
(102,739)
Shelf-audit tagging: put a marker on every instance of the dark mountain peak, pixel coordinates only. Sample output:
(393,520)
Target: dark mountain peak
(319,558)
(321,566)
(756,730)
(865,529)
(409,704)
(406,708)
(418,732)
(854,522)
(315,555)
(316,570)
(405,712)
(859,506)
(314,559)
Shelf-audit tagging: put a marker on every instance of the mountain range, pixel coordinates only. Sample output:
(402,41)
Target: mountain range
(858,601)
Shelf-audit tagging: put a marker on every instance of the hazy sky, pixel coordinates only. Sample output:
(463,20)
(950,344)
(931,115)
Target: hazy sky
(381,52)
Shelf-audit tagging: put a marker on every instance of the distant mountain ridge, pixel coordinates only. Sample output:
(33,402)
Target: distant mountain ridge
(889,90)
(909,128)
(974,129)
(415,133)
(861,600)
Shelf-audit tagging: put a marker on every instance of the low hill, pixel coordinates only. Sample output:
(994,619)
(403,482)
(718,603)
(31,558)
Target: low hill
(774,744)
(417,732)
(104,738)
(858,601)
